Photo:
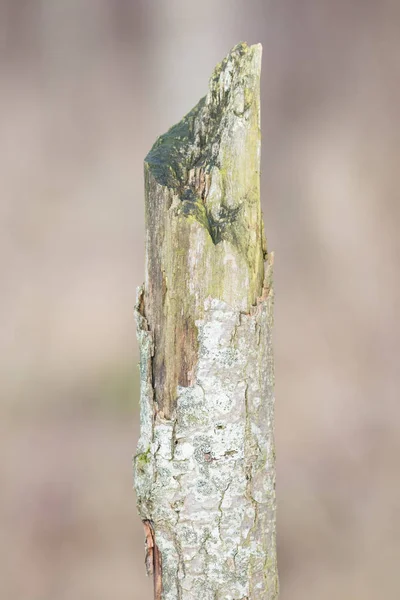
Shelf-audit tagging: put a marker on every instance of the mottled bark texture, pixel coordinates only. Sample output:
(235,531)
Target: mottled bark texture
(205,463)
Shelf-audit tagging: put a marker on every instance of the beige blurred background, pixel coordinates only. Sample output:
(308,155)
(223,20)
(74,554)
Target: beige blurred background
(85,88)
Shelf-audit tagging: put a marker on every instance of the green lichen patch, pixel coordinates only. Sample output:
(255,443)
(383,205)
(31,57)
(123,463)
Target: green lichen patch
(200,142)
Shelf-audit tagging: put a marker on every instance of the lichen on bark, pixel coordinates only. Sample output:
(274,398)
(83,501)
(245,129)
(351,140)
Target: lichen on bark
(205,463)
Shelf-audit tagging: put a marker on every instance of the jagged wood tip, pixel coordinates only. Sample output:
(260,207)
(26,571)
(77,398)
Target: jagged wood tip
(205,233)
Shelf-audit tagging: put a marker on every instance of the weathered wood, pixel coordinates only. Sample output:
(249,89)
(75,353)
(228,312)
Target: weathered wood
(205,464)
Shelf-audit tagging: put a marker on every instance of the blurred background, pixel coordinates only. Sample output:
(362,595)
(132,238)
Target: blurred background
(86,86)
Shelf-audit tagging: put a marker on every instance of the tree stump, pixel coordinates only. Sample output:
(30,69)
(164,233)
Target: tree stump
(205,464)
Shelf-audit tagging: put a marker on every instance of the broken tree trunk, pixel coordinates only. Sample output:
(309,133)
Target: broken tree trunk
(205,463)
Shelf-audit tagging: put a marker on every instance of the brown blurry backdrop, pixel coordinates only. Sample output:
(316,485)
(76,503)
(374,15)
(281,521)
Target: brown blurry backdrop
(85,88)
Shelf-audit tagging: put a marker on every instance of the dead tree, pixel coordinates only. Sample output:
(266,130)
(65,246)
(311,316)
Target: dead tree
(205,462)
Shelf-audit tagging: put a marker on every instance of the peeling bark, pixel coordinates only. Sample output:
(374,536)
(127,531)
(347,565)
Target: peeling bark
(205,462)
(153,559)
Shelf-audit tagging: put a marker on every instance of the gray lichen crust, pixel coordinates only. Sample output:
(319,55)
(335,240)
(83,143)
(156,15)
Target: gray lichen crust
(205,462)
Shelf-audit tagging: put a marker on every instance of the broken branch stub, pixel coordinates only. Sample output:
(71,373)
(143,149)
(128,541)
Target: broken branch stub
(205,463)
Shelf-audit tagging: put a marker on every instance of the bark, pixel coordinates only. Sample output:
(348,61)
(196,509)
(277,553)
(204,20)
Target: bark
(205,462)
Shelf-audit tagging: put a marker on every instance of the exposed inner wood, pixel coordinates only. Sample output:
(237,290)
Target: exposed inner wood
(153,559)
(205,233)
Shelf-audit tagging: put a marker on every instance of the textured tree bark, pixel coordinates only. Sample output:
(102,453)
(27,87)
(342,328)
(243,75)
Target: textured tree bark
(205,462)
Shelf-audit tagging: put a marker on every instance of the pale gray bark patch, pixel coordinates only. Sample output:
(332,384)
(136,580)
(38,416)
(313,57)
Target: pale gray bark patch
(205,478)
